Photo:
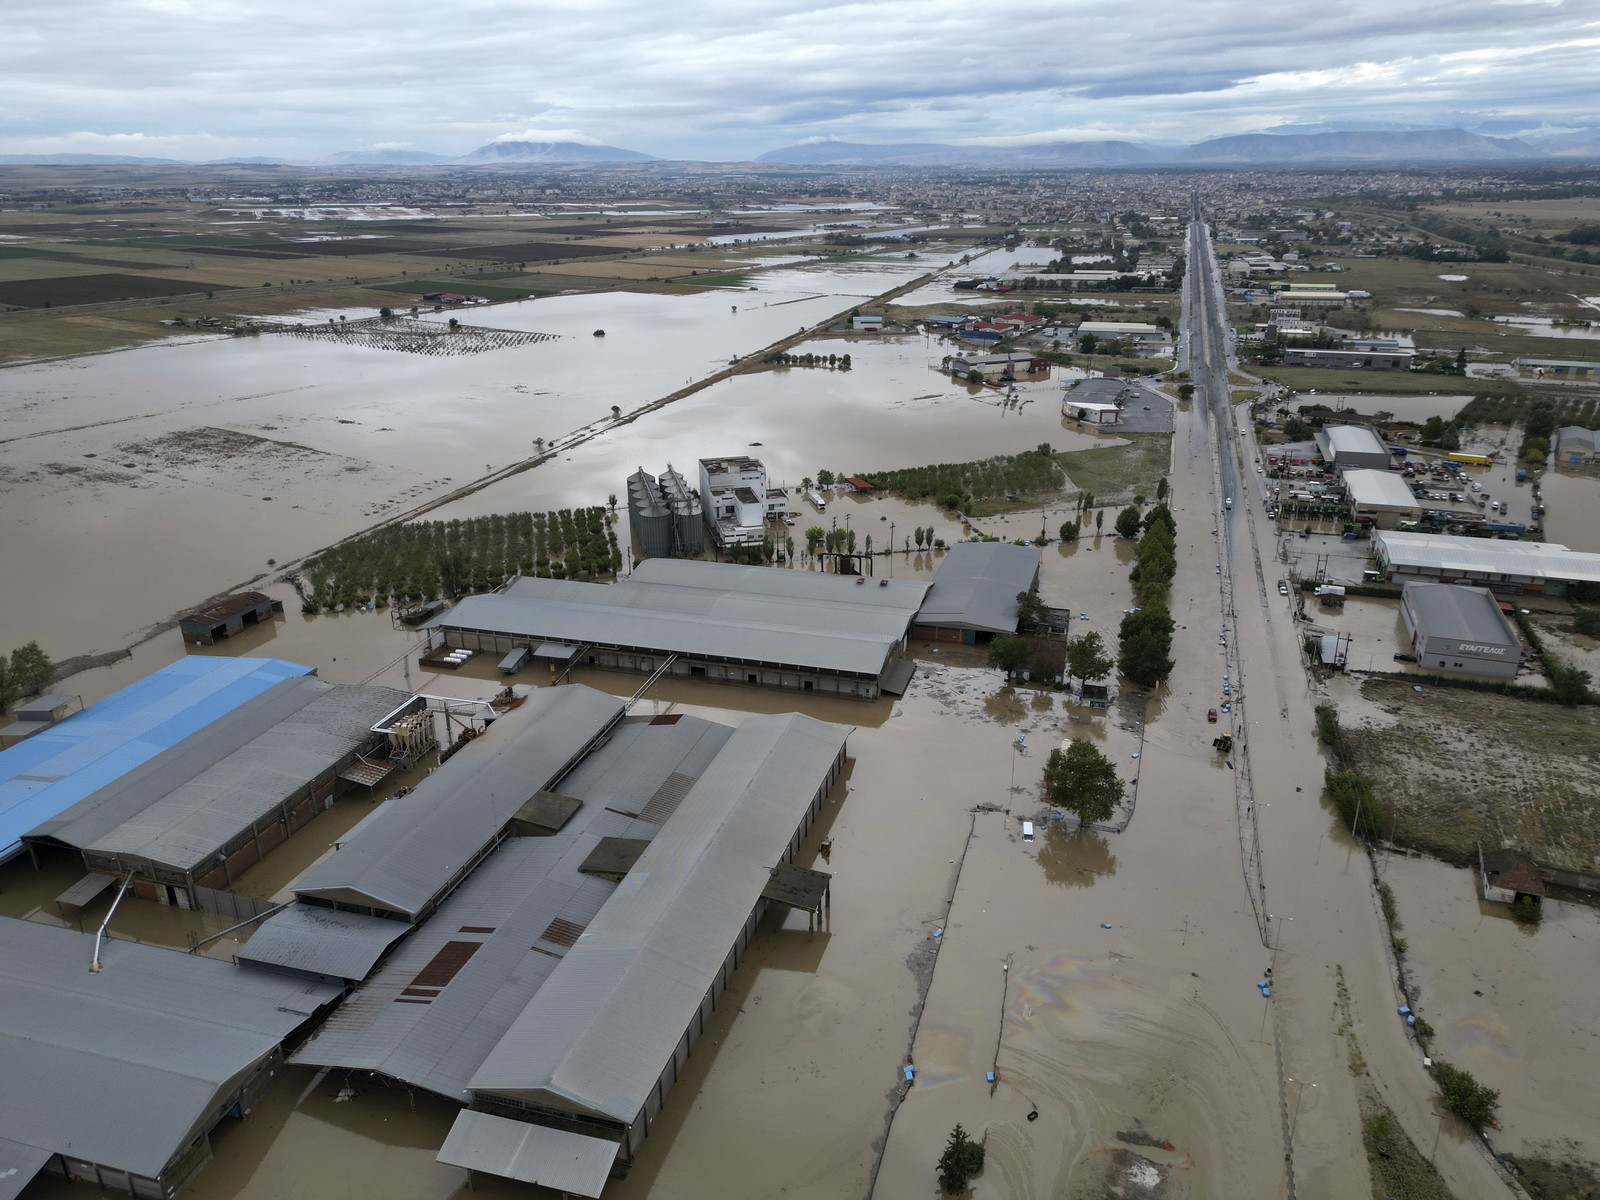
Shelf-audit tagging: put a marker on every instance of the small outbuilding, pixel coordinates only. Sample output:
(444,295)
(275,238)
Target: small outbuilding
(974,592)
(227,616)
(1459,630)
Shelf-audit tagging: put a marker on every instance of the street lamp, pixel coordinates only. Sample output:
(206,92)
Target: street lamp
(1294,1121)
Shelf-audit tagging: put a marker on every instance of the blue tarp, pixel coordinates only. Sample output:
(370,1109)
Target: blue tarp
(53,770)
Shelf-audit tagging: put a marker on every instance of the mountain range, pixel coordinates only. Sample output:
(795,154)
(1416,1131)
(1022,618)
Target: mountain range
(1290,145)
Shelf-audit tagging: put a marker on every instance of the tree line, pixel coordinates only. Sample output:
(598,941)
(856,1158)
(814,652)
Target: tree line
(957,485)
(427,559)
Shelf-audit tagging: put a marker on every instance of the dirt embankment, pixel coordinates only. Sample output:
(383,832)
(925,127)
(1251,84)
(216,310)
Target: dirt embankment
(1457,768)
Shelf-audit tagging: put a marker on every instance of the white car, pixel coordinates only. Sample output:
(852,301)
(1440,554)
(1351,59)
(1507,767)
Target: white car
(1283,588)
(1228,502)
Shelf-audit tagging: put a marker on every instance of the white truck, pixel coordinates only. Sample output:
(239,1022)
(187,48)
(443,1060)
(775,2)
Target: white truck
(1331,595)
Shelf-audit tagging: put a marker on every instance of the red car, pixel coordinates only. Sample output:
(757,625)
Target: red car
(1211,715)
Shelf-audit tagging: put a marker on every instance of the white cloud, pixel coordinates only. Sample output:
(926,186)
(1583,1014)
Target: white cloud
(548,135)
(704,78)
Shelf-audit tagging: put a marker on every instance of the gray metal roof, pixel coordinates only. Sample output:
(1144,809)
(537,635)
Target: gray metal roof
(1487,558)
(436,1040)
(1382,489)
(190,824)
(1466,613)
(123,1067)
(569,1163)
(748,614)
(322,941)
(976,586)
(1353,439)
(598,1034)
(409,851)
(1569,438)
(18,1165)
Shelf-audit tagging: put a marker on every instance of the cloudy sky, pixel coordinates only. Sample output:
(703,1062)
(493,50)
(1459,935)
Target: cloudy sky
(724,80)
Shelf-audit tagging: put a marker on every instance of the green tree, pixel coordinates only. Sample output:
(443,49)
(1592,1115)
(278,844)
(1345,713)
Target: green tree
(1069,531)
(1009,653)
(961,1162)
(385,313)
(32,670)
(1029,608)
(1144,653)
(1099,519)
(1296,430)
(1082,781)
(1161,515)
(814,536)
(1161,490)
(1128,522)
(8,685)
(918,535)
(825,478)
(1088,658)
(1186,391)
(1465,1096)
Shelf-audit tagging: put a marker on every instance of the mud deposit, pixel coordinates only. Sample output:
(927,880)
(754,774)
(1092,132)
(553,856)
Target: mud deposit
(1460,767)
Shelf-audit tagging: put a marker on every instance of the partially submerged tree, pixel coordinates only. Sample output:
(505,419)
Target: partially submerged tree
(31,669)
(1010,653)
(1088,659)
(961,1162)
(1083,781)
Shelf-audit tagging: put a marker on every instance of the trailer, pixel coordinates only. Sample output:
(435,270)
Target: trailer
(1471,460)
(515,661)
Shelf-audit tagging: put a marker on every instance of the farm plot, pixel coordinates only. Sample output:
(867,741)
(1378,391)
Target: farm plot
(95,289)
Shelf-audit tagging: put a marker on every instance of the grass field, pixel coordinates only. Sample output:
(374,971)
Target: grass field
(464,286)
(1114,474)
(1383,383)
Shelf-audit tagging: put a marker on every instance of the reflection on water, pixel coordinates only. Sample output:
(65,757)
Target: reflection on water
(1075,857)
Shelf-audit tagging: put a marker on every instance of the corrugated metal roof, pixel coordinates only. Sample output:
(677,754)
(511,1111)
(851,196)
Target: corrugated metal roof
(409,850)
(749,614)
(53,770)
(436,1038)
(1487,557)
(195,821)
(322,941)
(600,1031)
(976,586)
(565,1162)
(1385,488)
(1465,613)
(1354,439)
(122,1066)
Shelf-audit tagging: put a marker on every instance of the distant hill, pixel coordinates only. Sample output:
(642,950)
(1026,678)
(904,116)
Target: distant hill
(82,160)
(393,158)
(1366,145)
(550,152)
(937,154)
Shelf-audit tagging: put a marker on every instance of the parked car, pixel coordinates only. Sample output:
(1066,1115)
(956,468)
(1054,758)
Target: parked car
(1283,587)
(1211,715)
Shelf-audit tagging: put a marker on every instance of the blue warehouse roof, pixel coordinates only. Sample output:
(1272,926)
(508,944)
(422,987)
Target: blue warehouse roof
(54,769)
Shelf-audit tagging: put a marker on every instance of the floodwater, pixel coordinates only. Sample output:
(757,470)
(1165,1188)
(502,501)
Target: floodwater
(1547,327)
(176,471)
(1512,1003)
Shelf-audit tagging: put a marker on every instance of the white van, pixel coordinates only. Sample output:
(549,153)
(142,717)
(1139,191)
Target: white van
(1027,831)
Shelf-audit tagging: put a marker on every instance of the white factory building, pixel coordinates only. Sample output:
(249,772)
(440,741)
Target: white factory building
(1459,630)
(738,503)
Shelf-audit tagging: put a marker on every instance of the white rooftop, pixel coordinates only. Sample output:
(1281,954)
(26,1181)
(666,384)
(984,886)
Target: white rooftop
(1487,557)
(1379,488)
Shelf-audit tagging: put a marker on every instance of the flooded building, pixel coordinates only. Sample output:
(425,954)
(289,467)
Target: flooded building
(36,715)
(1459,630)
(771,627)
(737,500)
(225,617)
(1347,446)
(665,515)
(1508,567)
(561,985)
(1381,497)
(203,811)
(974,592)
(74,758)
(1577,446)
(116,1073)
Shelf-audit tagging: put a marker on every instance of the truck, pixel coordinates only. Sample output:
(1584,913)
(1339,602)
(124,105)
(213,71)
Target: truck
(1331,595)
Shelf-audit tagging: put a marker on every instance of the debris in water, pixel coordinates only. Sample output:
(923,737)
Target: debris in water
(1107,925)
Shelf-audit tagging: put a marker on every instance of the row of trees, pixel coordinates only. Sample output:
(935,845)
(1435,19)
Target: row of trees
(782,358)
(957,485)
(447,558)
(27,672)
(1145,636)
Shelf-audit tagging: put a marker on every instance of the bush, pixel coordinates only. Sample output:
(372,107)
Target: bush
(961,1162)
(1465,1096)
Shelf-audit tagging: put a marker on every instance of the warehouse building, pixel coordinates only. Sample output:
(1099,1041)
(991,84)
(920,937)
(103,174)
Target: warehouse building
(73,758)
(581,958)
(1459,630)
(603,1041)
(1508,567)
(802,630)
(665,515)
(1374,359)
(1577,446)
(205,810)
(1381,497)
(116,1076)
(1347,446)
(974,592)
(225,617)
